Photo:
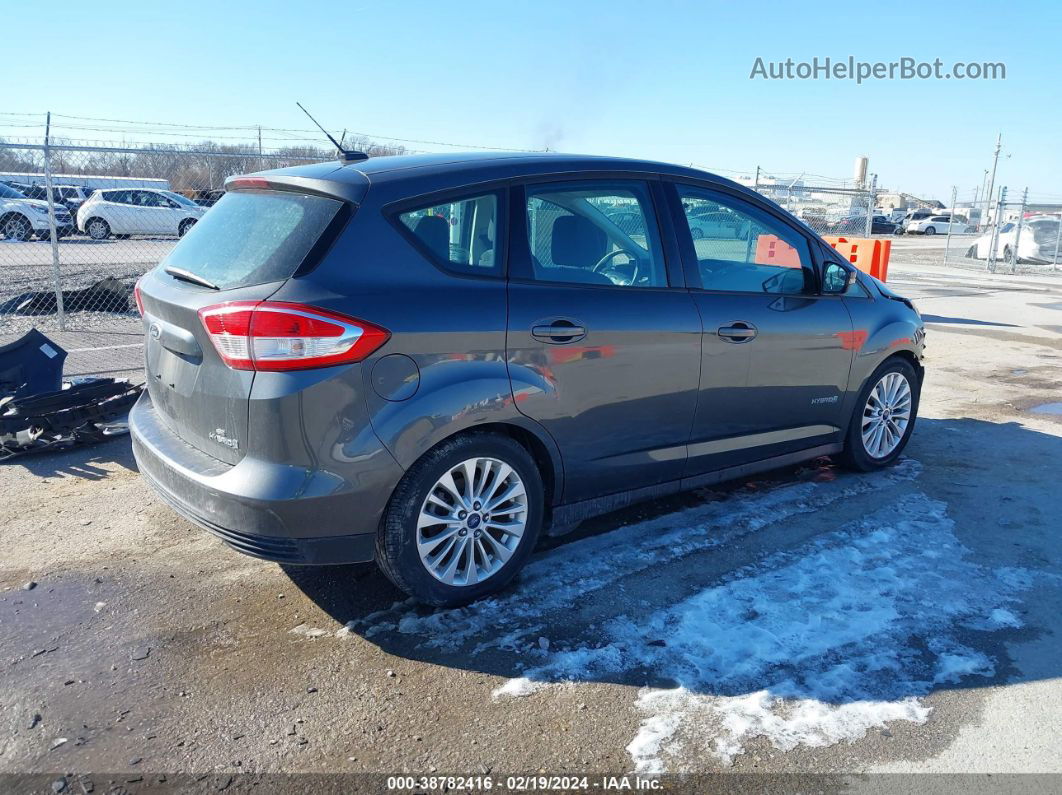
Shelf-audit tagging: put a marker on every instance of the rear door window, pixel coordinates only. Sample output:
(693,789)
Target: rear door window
(598,233)
(254,237)
(460,235)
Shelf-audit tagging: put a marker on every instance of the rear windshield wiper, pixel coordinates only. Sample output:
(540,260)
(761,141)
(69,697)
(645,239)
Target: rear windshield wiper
(188,276)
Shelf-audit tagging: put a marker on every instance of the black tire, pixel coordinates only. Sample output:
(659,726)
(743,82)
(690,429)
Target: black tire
(696,233)
(185,225)
(1008,256)
(971,252)
(855,455)
(16,226)
(396,543)
(97,229)
(929,230)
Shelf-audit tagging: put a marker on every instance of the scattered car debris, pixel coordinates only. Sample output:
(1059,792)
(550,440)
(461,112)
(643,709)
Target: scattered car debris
(39,410)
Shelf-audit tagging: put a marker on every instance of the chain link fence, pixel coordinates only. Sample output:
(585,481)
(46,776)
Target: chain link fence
(79,225)
(828,209)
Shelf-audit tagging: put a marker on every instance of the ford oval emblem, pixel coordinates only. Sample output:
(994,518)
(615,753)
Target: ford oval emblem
(155,331)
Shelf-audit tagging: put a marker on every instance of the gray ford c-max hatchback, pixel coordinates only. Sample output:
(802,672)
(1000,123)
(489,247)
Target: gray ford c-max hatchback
(427,360)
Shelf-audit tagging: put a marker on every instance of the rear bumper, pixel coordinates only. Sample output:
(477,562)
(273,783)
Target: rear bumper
(265,510)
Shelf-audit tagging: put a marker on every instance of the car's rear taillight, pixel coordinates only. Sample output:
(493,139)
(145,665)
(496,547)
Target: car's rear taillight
(275,335)
(138,297)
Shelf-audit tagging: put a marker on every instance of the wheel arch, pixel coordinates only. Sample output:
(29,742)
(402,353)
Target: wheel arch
(539,445)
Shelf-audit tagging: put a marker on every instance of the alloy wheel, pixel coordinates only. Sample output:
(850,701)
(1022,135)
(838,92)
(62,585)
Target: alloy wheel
(886,415)
(472,521)
(16,228)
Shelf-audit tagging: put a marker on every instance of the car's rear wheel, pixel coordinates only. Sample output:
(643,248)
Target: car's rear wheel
(696,233)
(16,227)
(462,521)
(98,229)
(1008,256)
(186,224)
(971,252)
(929,231)
(884,416)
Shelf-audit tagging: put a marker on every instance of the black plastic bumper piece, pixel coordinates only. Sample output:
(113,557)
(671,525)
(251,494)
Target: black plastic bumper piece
(325,551)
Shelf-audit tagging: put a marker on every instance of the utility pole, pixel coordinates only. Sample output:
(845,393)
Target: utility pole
(869,228)
(56,276)
(1058,237)
(995,229)
(261,161)
(995,162)
(756,182)
(982,222)
(951,223)
(1017,234)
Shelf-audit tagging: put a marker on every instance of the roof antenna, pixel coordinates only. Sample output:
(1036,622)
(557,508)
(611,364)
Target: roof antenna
(345,155)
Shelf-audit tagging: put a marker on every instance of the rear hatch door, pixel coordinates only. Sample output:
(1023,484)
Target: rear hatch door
(243,249)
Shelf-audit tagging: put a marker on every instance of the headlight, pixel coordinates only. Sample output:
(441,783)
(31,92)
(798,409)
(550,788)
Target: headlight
(41,210)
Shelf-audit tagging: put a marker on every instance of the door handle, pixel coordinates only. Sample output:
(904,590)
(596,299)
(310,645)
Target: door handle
(558,331)
(737,332)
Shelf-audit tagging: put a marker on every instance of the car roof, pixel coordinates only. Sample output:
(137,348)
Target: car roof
(439,171)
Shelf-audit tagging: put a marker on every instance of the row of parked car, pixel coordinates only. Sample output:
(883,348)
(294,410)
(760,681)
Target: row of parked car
(916,222)
(98,213)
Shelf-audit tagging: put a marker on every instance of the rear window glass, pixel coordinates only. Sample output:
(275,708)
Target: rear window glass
(253,237)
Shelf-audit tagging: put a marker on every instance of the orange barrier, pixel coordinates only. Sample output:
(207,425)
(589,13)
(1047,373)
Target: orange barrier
(870,256)
(772,250)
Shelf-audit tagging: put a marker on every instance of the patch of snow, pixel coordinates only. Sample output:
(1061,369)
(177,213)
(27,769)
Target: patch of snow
(309,632)
(1004,618)
(516,688)
(808,648)
(955,661)
(656,734)
(98,606)
(346,630)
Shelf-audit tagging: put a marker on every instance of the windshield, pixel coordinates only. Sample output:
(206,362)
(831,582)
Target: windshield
(253,237)
(180,199)
(7,192)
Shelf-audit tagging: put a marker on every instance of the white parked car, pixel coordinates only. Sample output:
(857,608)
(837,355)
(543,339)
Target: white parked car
(716,225)
(937,225)
(22,218)
(1039,236)
(137,211)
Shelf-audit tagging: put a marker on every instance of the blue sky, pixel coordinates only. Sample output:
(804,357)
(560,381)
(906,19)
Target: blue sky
(665,80)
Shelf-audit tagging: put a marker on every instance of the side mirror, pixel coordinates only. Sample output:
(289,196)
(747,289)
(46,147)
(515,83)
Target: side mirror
(837,279)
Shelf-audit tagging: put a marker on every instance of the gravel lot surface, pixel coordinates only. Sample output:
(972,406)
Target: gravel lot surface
(811,620)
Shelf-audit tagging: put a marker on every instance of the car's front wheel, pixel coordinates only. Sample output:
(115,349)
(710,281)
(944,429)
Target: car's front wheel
(884,416)
(186,224)
(462,521)
(16,227)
